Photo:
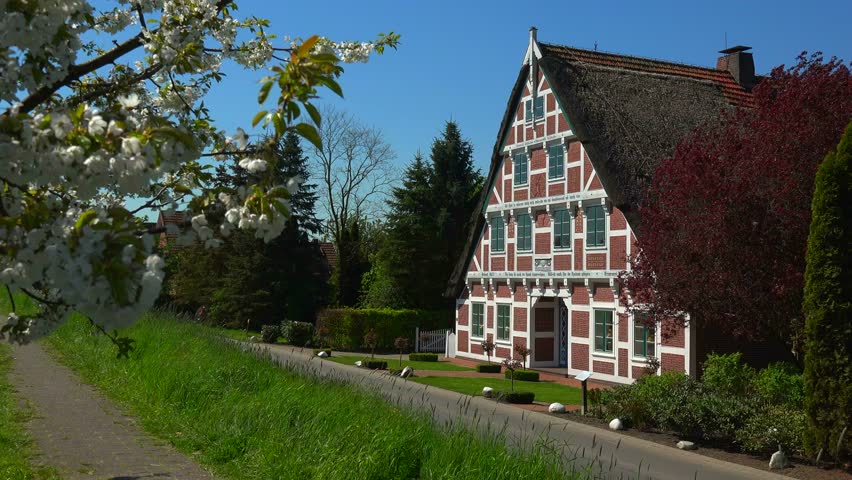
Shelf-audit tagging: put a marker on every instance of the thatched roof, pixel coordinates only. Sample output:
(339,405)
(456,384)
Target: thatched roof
(629,113)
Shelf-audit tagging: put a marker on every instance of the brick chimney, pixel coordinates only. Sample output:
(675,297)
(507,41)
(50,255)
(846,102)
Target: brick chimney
(739,62)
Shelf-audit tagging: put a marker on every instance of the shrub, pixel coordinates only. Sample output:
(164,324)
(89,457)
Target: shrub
(488,348)
(523,351)
(780,383)
(515,397)
(347,326)
(270,333)
(727,374)
(375,364)
(488,368)
(423,357)
(318,350)
(522,375)
(671,401)
(771,427)
(297,333)
(722,416)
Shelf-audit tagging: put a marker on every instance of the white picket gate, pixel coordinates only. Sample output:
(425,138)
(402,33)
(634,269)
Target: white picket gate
(431,340)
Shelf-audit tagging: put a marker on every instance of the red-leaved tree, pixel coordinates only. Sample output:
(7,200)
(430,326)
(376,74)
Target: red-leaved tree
(725,224)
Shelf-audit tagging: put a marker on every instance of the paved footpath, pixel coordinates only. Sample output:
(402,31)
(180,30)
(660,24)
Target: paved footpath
(607,454)
(83,434)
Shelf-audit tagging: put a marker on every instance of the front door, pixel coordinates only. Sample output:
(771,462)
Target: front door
(563,334)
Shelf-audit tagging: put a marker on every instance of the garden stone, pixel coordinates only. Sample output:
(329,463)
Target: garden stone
(358,363)
(616,424)
(252,339)
(487,392)
(556,408)
(684,445)
(778,461)
(322,354)
(406,372)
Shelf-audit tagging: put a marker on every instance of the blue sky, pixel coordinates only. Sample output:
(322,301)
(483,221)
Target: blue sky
(458,60)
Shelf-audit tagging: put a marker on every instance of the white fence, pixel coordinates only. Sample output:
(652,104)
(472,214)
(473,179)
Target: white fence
(431,341)
(451,345)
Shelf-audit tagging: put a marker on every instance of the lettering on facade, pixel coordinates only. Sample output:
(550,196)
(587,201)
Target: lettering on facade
(549,274)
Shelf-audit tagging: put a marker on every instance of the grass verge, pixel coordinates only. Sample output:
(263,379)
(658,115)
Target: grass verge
(394,363)
(245,418)
(544,391)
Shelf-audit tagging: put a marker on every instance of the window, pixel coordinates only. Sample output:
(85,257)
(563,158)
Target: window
(524,232)
(595,226)
(502,322)
(534,108)
(643,338)
(520,168)
(556,161)
(498,234)
(603,331)
(561,229)
(476,322)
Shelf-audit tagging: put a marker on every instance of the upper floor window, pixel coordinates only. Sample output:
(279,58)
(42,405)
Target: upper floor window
(603,331)
(498,234)
(643,337)
(595,226)
(561,229)
(534,108)
(556,161)
(502,322)
(524,232)
(520,160)
(477,314)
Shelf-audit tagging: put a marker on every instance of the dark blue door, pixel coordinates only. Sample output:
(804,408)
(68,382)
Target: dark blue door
(563,334)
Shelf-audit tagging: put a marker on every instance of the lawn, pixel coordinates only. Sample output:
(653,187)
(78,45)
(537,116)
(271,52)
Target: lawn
(394,363)
(243,417)
(546,392)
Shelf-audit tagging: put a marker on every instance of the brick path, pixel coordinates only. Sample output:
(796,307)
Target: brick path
(84,435)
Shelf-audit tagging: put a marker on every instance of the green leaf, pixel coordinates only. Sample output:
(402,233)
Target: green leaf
(278,123)
(264,92)
(85,219)
(314,113)
(180,188)
(305,48)
(310,134)
(333,86)
(258,117)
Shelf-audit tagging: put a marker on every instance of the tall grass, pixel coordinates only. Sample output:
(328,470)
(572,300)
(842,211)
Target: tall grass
(243,417)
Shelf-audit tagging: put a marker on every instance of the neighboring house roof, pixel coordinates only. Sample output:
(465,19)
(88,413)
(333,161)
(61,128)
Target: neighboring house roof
(176,217)
(628,112)
(330,253)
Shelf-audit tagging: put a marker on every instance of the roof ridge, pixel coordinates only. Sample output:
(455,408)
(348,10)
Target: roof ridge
(633,57)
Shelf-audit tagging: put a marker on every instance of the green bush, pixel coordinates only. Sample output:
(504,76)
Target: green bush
(347,326)
(522,375)
(671,401)
(297,333)
(722,416)
(780,383)
(727,374)
(488,368)
(270,333)
(771,427)
(318,350)
(375,364)
(523,398)
(423,357)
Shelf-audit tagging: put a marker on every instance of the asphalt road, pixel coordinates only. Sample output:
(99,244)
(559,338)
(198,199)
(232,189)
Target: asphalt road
(606,454)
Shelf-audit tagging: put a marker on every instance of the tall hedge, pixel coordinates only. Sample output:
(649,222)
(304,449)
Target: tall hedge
(347,326)
(828,305)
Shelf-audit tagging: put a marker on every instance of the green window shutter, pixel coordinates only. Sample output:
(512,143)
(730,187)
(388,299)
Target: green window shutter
(556,161)
(539,107)
(520,161)
(562,229)
(524,232)
(528,111)
(476,323)
(603,331)
(498,234)
(502,322)
(595,226)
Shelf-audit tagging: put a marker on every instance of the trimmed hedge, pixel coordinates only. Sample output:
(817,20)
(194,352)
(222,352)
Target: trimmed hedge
(270,333)
(522,375)
(374,364)
(523,398)
(347,326)
(297,333)
(489,368)
(423,357)
(318,350)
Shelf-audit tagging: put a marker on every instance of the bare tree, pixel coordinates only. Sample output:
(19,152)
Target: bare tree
(354,169)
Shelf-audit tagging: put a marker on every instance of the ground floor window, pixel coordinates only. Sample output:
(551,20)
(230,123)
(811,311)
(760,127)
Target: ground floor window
(502,322)
(603,331)
(476,319)
(643,339)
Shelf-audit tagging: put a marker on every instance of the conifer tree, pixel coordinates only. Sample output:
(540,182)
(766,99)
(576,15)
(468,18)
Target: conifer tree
(828,305)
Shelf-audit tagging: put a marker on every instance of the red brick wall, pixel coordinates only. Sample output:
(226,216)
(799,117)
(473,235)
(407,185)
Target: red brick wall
(510,138)
(538,185)
(524,263)
(538,159)
(637,372)
(587,170)
(492,199)
(556,189)
(510,256)
(463,341)
(579,356)
(510,228)
(551,125)
(490,316)
(562,126)
(502,352)
(603,367)
(520,194)
(463,314)
(543,350)
(622,362)
(580,294)
(476,348)
(580,324)
(520,293)
(578,254)
(522,341)
(596,261)
(551,101)
(498,264)
(542,243)
(485,253)
(498,183)
(670,362)
(622,327)
(603,293)
(672,334)
(507,190)
(578,221)
(520,314)
(618,253)
(507,166)
(617,220)
(562,262)
(573,179)
(541,219)
(544,319)
(539,130)
(519,133)
(478,290)
(596,184)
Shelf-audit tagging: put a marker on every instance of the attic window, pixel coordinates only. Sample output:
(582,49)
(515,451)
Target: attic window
(534,108)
